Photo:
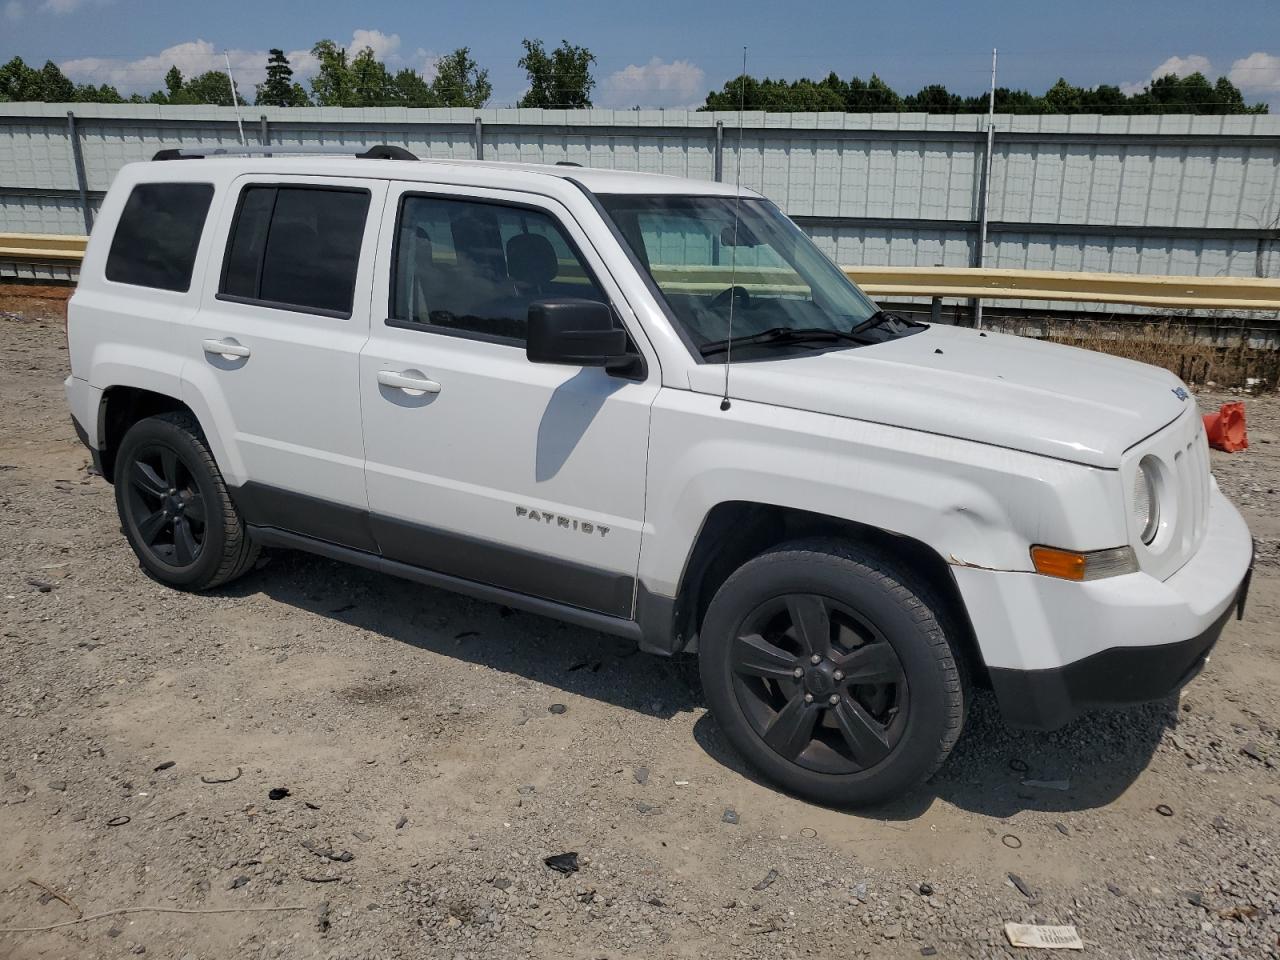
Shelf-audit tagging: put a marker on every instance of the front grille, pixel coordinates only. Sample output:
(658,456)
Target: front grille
(1191,476)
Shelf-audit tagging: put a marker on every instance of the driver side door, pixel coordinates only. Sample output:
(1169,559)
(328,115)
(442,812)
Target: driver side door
(480,464)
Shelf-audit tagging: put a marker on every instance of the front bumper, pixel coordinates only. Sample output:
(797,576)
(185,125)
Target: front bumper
(1054,648)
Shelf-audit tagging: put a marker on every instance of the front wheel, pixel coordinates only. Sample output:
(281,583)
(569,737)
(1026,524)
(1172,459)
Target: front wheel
(174,506)
(830,670)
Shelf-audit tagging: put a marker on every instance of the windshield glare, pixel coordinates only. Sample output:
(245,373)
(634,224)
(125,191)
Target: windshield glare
(774,275)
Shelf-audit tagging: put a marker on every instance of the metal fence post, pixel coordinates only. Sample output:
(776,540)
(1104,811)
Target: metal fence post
(81,181)
(719,150)
(479,139)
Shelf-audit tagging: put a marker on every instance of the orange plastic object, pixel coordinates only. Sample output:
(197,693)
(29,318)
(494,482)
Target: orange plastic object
(1225,428)
(1053,562)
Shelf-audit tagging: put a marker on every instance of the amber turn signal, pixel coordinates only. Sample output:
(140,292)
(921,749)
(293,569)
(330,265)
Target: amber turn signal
(1053,562)
(1074,565)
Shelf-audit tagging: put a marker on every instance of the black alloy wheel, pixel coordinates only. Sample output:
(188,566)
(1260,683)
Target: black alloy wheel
(164,507)
(175,508)
(829,666)
(819,683)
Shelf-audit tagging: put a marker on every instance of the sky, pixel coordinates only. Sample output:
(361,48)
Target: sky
(662,53)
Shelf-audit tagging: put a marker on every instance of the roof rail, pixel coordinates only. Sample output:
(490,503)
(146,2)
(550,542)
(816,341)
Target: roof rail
(380,151)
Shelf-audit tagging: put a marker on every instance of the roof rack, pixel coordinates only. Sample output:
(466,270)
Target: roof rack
(380,151)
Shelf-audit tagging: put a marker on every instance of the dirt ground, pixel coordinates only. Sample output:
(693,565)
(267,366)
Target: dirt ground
(421,771)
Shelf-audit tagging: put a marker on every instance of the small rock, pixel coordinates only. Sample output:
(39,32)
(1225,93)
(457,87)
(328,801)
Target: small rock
(527,789)
(277,793)
(557,708)
(563,862)
(1062,829)
(168,764)
(1021,884)
(59,785)
(926,889)
(361,836)
(767,882)
(1253,752)
(238,882)
(642,775)
(928,951)
(1164,810)
(400,824)
(730,815)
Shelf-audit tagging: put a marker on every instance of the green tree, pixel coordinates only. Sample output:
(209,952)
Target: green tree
(561,78)
(934,98)
(173,82)
(211,87)
(54,85)
(460,81)
(410,89)
(370,82)
(331,86)
(280,89)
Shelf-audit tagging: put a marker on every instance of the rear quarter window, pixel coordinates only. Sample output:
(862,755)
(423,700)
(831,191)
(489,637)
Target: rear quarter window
(158,234)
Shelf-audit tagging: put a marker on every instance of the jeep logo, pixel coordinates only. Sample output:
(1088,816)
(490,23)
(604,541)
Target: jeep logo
(564,523)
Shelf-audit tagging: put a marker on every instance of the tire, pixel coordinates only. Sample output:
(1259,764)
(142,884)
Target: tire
(166,481)
(888,692)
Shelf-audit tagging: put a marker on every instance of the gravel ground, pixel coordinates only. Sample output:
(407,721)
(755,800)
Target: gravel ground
(385,768)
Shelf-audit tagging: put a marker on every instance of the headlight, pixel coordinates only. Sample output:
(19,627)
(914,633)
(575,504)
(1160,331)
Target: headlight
(1146,500)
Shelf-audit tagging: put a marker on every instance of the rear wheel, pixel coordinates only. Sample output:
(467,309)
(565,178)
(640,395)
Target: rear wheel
(174,506)
(831,671)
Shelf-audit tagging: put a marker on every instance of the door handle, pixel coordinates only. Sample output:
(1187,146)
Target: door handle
(411,382)
(227,348)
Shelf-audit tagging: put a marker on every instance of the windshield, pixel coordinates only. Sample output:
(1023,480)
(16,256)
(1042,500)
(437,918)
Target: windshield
(783,290)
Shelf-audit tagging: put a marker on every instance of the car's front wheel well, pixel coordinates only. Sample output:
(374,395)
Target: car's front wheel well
(737,531)
(121,408)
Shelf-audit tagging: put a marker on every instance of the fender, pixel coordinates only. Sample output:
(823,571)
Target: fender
(973,504)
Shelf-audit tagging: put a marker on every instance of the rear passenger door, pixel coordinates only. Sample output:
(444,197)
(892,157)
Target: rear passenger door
(481,464)
(274,351)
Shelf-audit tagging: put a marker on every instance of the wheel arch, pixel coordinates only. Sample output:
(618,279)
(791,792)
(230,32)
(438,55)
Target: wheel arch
(734,532)
(120,408)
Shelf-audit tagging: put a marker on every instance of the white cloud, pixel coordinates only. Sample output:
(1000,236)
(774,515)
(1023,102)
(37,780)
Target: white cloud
(1257,73)
(655,84)
(385,46)
(193,57)
(13,11)
(146,74)
(1179,66)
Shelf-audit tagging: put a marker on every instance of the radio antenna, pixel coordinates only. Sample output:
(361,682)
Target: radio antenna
(235,99)
(733,255)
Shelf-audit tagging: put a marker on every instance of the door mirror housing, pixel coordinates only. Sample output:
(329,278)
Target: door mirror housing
(575,332)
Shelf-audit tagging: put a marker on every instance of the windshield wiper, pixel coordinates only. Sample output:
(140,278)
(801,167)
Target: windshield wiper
(879,319)
(779,335)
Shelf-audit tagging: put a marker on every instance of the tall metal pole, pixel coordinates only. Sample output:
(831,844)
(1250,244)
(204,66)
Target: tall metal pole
(986,184)
(82,182)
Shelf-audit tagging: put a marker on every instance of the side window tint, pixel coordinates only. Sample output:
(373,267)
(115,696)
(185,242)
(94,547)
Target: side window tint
(297,247)
(476,267)
(158,234)
(248,239)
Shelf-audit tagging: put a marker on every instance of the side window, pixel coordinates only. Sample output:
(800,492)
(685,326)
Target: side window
(296,247)
(158,234)
(476,267)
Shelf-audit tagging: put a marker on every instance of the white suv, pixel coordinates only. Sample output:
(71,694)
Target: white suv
(653,407)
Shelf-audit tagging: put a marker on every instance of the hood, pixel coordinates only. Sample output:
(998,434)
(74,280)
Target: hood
(993,388)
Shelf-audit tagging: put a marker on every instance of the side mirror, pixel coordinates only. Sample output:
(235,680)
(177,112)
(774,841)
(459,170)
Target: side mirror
(579,333)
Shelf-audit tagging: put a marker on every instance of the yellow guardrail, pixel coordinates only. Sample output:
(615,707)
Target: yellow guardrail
(41,246)
(1206,293)
(887,283)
